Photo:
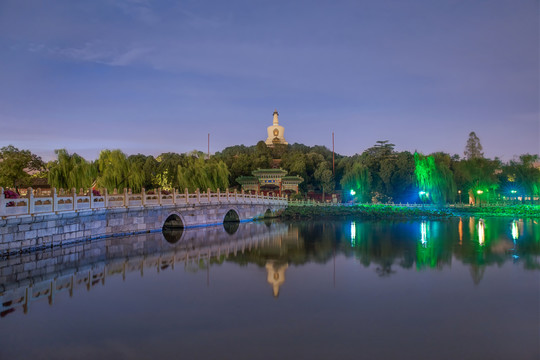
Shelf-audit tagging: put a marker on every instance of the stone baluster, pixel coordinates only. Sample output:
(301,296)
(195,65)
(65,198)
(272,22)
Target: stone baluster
(74,198)
(106,197)
(235,195)
(159,196)
(227,193)
(3,202)
(218,196)
(91,194)
(198,192)
(30,196)
(243,196)
(126,197)
(186,194)
(174,196)
(54,200)
(143,196)
(208,194)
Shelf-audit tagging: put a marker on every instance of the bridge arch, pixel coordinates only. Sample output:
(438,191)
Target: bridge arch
(174,220)
(173,228)
(232,216)
(268,213)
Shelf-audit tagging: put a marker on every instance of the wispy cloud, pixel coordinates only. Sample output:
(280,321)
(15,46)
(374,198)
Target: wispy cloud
(140,10)
(96,51)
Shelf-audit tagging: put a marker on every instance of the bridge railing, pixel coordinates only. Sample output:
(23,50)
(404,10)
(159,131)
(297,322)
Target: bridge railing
(38,202)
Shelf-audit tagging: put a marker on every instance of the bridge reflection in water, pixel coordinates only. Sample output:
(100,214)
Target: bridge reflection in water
(274,247)
(44,275)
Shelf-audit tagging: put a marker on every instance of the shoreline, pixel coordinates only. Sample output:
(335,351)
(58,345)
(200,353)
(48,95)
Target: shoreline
(402,212)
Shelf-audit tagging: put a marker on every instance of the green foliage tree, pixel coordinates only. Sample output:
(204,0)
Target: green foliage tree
(324,176)
(433,176)
(523,176)
(479,174)
(198,173)
(148,167)
(15,166)
(115,171)
(71,171)
(167,169)
(473,149)
(358,179)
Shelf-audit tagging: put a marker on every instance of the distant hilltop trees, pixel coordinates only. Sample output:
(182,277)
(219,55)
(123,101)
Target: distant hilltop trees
(378,174)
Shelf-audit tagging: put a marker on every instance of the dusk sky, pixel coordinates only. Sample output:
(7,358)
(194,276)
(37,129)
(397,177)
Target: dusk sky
(157,76)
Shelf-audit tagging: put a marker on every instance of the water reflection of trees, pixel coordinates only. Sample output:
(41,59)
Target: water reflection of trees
(384,245)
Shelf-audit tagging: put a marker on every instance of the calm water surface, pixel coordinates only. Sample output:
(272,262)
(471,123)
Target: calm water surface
(452,289)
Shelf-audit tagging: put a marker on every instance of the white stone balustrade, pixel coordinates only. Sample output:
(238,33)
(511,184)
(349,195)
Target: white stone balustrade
(59,201)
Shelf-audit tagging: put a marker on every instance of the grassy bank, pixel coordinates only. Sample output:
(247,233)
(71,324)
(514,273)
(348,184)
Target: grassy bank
(529,211)
(397,212)
(362,211)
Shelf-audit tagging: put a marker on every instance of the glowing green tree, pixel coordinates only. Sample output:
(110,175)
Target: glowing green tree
(359,180)
(434,177)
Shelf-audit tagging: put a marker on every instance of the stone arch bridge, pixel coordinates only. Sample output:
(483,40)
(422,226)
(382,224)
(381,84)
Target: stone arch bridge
(36,221)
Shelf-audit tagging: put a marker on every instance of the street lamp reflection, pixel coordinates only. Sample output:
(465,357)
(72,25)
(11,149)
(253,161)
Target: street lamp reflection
(481,232)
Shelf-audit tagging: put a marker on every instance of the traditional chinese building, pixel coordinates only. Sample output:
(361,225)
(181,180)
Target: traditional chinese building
(275,132)
(270,181)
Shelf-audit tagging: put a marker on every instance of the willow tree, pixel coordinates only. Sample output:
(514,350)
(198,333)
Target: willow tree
(198,173)
(117,172)
(434,177)
(358,179)
(71,171)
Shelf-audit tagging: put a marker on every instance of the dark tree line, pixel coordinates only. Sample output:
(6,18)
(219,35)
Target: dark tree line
(377,174)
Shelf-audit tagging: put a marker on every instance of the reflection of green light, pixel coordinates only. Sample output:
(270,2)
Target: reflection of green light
(353,192)
(423,232)
(513,191)
(515,230)
(481,233)
(479,192)
(353,234)
(421,193)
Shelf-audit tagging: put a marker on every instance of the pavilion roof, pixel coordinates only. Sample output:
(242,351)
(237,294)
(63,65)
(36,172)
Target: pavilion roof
(246,180)
(260,172)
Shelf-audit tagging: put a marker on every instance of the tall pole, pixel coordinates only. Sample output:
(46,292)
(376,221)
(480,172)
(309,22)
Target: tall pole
(208,146)
(333,159)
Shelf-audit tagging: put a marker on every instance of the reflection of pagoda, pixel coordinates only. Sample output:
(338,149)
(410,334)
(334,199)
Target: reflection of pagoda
(276,275)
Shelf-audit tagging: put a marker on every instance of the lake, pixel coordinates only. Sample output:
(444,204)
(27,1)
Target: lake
(462,288)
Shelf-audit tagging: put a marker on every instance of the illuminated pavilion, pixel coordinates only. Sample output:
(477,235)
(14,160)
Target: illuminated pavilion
(270,181)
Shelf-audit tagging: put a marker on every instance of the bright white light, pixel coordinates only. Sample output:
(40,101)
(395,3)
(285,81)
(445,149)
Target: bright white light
(423,232)
(353,233)
(515,230)
(481,233)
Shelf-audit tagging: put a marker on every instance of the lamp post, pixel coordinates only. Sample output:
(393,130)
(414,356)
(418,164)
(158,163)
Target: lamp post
(459,192)
(513,192)
(479,192)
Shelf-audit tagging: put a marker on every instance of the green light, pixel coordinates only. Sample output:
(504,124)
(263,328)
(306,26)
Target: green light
(421,193)
(513,191)
(479,192)
(353,192)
